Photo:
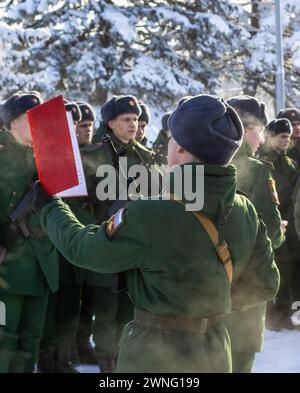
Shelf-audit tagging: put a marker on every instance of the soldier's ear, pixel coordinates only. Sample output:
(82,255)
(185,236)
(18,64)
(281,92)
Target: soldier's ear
(110,124)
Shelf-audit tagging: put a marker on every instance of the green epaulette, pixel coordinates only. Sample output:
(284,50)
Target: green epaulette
(142,147)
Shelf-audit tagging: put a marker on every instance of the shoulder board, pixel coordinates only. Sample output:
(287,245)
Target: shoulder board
(273,191)
(291,161)
(240,192)
(115,222)
(268,163)
(92,147)
(142,147)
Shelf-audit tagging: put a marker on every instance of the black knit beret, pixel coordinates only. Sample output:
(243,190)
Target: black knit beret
(207,127)
(87,111)
(280,126)
(146,114)
(72,107)
(289,113)
(119,105)
(17,104)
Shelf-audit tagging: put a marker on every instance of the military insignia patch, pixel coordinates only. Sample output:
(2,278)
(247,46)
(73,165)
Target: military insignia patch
(272,188)
(86,111)
(115,222)
(132,103)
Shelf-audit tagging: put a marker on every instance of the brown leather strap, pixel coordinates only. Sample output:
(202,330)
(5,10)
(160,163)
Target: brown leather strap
(169,323)
(222,249)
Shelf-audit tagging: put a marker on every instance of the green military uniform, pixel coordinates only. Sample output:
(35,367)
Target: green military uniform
(64,305)
(171,268)
(286,256)
(30,266)
(160,146)
(254,178)
(294,153)
(112,310)
(101,130)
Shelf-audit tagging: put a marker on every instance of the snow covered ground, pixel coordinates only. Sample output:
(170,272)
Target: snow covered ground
(281,354)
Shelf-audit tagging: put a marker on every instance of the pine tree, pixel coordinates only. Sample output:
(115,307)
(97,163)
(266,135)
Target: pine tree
(158,50)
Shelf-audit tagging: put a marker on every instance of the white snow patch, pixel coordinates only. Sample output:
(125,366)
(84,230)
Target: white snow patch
(120,23)
(280,354)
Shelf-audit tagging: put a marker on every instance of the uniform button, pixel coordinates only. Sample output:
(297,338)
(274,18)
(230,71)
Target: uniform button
(14,193)
(11,204)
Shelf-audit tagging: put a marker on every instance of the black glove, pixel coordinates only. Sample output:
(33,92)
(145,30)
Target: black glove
(8,237)
(40,197)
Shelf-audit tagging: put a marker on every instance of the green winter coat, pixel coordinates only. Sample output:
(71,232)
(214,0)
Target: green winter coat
(94,156)
(253,177)
(286,176)
(171,267)
(30,267)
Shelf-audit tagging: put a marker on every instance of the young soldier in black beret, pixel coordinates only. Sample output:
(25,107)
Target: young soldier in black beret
(120,121)
(293,115)
(30,266)
(85,126)
(143,121)
(255,179)
(278,133)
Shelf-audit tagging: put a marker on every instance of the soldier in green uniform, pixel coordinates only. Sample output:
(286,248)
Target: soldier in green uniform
(143,122)
(63,306)
(293,115)
(180,274)
(30,266)
(112,310)
(83,209)
(160,145)
(254,178)
(278,133)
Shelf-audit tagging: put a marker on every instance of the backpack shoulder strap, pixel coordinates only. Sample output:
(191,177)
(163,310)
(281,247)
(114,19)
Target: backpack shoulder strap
(221,249)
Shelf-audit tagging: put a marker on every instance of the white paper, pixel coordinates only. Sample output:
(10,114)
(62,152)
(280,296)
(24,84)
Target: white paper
(80,189)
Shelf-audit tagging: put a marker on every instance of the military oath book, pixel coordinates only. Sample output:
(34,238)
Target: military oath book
(56,149)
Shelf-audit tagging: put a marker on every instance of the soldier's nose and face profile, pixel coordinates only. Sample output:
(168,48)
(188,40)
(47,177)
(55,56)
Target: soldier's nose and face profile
(173,149)
(124,126)
(254,137)
(20,129)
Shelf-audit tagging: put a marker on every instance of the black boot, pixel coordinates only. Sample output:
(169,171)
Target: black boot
(46,363)
(86,353)
(63,360)
(106,364)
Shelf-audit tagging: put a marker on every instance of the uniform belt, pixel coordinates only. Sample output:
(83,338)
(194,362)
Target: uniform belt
(169,323)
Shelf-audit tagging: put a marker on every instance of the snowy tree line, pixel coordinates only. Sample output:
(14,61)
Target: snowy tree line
(159,50)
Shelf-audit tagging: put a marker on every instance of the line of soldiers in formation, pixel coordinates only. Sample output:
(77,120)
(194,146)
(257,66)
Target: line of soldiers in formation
(54,308)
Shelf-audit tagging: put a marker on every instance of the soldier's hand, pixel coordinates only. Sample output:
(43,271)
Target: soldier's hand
(284,225)
(40,197)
